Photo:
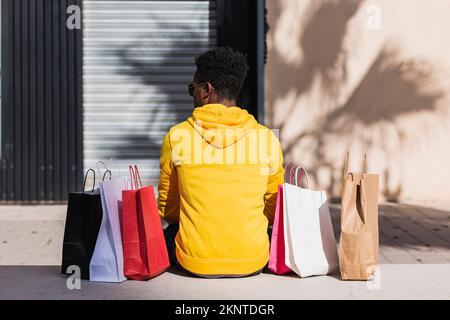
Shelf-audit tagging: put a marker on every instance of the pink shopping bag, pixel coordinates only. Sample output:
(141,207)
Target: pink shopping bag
(277,253)
(277,249)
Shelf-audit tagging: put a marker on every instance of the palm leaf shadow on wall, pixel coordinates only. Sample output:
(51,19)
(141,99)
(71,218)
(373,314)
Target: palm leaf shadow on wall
(177,104)
(323,51)
(391,88)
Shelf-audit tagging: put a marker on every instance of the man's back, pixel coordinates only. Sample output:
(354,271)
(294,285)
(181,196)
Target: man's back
(220,172)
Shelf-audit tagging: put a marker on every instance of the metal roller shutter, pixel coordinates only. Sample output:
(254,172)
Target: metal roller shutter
(138,57)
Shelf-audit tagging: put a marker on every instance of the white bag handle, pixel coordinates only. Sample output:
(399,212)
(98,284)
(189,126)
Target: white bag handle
(296,176)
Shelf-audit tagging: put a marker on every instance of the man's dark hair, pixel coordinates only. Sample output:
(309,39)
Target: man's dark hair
(224,68)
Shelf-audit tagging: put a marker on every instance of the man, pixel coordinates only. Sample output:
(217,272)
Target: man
(220,171)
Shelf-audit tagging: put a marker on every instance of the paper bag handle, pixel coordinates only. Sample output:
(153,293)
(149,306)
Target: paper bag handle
(291,176)
(104,165)
(296,176)
(347,159)
(104,175)
(85,177)
(138,176)
(135,176)
(287,173)
(132,177)
(289,169)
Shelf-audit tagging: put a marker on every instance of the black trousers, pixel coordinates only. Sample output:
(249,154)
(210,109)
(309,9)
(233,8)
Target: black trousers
(170,233)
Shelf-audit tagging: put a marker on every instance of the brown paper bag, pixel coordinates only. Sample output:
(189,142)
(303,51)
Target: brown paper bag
(359,241)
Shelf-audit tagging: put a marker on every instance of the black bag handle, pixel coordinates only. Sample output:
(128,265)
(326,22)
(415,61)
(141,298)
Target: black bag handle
(85,177)
(104,175)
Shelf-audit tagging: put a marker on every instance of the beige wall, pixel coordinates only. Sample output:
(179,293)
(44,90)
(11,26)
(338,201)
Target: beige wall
(334,82)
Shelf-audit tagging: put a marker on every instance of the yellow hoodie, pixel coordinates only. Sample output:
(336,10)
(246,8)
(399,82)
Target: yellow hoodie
(220,171)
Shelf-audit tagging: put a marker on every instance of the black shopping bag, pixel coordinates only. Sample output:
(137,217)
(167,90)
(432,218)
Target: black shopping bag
(84,216)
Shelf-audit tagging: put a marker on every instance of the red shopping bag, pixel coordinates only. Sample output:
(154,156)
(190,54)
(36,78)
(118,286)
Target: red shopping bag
(277,249)
(144,246)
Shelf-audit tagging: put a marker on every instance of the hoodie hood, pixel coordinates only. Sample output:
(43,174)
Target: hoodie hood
(222,126)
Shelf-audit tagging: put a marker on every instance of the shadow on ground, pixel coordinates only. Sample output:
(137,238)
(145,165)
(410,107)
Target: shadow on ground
(408,226)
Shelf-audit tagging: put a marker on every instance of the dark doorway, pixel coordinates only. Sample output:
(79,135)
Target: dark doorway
(41,158)
(239,27)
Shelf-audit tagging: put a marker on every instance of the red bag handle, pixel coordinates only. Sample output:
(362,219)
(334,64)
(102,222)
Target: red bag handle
(137,176)
(291,175)
(132,176)
(286,172)
(298,173)
(295,175)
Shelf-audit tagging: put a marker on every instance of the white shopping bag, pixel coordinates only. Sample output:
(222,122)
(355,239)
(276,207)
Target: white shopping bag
(308,232)
(107,261)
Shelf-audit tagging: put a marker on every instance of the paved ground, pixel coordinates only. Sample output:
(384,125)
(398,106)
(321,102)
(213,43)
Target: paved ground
(410,233)
(414,281)
(414,248)
(32,235)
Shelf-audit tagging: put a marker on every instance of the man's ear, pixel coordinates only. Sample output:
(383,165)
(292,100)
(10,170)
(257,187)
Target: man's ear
(207,90)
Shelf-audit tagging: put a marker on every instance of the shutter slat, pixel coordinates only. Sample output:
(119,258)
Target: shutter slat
(138,57)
